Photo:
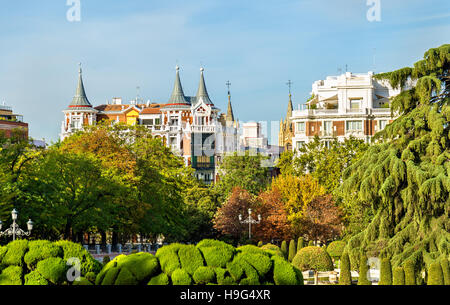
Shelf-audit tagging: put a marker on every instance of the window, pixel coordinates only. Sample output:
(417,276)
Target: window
(354,125)
(382,124)
(355,104)
(300,144)
(327,127)
(157,121)
(301,127)
(76,122)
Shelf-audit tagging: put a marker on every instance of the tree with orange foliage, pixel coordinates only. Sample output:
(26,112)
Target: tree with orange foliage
(227,217)
(274,223)
(322,220)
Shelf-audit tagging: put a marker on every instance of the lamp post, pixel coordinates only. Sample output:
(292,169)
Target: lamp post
(14,229)
(250,221)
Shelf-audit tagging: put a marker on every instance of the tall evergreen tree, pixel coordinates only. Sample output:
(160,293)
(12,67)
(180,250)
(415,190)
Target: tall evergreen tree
(292,250)
(405,176)
(345,276)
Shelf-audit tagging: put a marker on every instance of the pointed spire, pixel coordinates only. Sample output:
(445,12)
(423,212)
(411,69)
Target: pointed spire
(230,115)
(177,96)
(80,99)
(201,92)
(289,109)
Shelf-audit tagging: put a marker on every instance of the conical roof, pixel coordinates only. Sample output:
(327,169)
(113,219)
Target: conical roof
(230,115)
(202,93)
(177,96)
(289,109)
(80,99)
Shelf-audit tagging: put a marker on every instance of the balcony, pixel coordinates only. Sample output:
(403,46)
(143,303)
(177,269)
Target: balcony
(203,129)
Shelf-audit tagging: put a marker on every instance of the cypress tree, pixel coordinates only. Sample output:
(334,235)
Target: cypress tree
(399,276)
(345,276)
(385,272)
(300,243)
(445,270)
(435,274)
(363,271)
(405,173)
(310,243)
(292,250)
(260,243)
(410,273)
(284,249)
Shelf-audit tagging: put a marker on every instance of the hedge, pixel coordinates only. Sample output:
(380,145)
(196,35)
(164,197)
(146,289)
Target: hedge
(284,249)
(410,272)
(300,243)
(435,274)
(398,276)
(313,258)
(181,277)
(204,275)
(272,249)
(445,270)
(284,273)
(191,258)
(345,276)
(363,271)
(292,250)
(336,249)
(41,262)
(160,279)
(385,272)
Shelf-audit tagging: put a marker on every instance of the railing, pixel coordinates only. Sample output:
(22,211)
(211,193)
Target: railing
(200,128)
(6,108)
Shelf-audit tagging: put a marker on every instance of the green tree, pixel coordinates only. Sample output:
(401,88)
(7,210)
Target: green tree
(284,248)
(385,272)
(410,272)
(398,276)
(405,176)
(363,271)
(292,250)
(313,258)
(345,276)
(300,243)
(435,274)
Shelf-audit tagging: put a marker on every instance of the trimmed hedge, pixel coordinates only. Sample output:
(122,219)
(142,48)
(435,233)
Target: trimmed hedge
(435,274)
(292,250)
(300,243)
(181,277)
(345,276)
(160,279)
(336,249)
(284,273)
(363,271)
(204,275)
(385,272)
(398,276)
(445,270)
(284,249)
(41,262)
(272,249)
(410,272)
(313,258)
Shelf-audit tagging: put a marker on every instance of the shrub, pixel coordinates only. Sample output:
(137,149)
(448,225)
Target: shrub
(160,279)
(313,258)
(272,250)
(82,281)
(142,265)
(261,262)
(88,263)
(216,253)
(284,249)
(385,272)
(109,277)
(241,270)
(310,243)
(260,243)
(106,259)
(181,277)
(410,274)
(35,278)
(90,276)
(292,250)
(398,276)
(168,258)
(223,277)
(435,274)
(363,271)
(300,243)
(16,252)
(53,269)
(191,258)
(125,277)
(11,275)
(39,250)
(251,249)
(204,275)
(345,276)
(284,273)
(336,249)
(445,270)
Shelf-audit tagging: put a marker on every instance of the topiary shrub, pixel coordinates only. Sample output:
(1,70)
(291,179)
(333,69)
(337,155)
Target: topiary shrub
(204,275)
(168,258)
(11,275)
(216,253)
(190,258)
(260,243)
(125,277)
(141,265)
(410,273)
(284,249)
(160,279)
(336,249)
(90,276)
(82,281)
(53,269)
(284,273)
(445,270)
(16,252)
(181,277)
(39,250)
(272,250)
(35,278)
(313,258)
(363,271)
(3,251)
(106,259)
(385,272)
(292,250)
(88,263)
(310,243)
(345,275)
(435,274)
(398,276)
(300,243)
(223,277)
(261,262)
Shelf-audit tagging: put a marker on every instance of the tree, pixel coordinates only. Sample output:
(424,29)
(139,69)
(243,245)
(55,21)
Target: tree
(363,271)
(405,175)
(292,250)
(300,243)
(435,274)
(410,273)
(345,276)
(284,248)
(385,272)
(245,171)
(274,223)
(313,258)
(227,221)
(398,276)
(322,220)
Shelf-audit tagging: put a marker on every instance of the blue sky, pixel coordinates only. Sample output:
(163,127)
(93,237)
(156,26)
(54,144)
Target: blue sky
(257,45)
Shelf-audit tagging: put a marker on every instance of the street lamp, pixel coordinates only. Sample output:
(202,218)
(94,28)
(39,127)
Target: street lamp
(250,221)
(14,229)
